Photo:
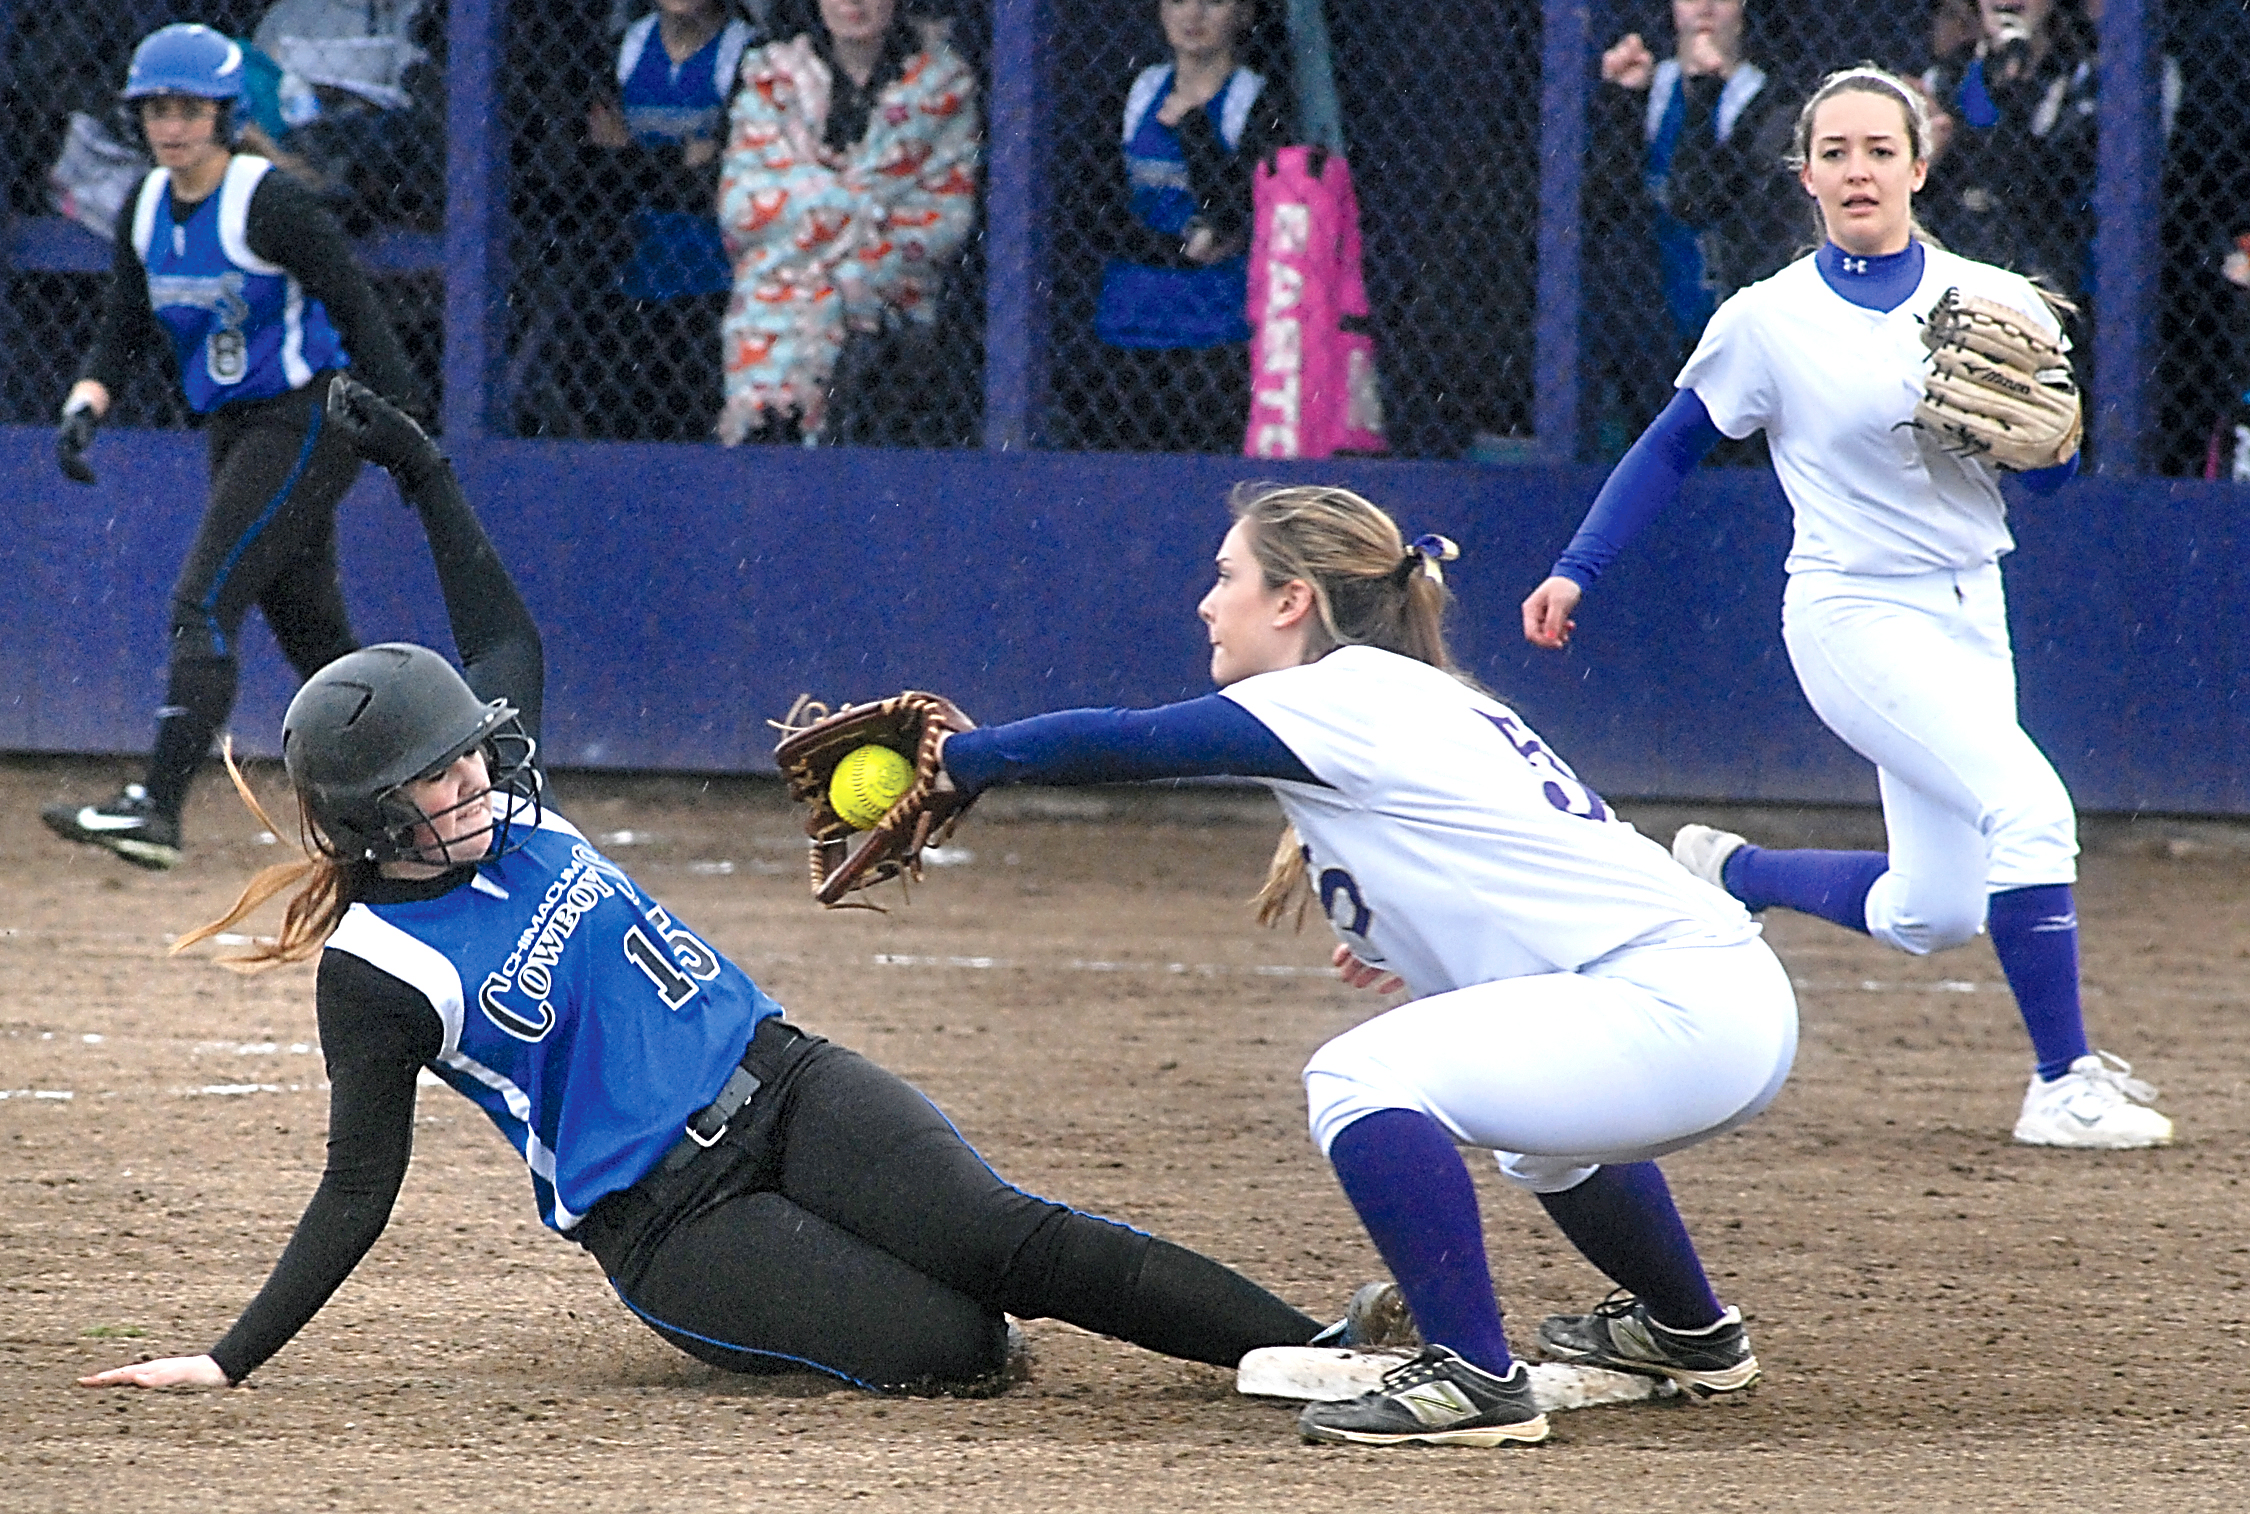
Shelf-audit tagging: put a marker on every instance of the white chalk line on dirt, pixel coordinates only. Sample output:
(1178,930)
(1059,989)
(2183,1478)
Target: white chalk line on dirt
(1078,965)
(207,1091)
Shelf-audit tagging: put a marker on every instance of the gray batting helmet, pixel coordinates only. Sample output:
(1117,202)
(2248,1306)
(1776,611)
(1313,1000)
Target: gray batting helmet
(375,720)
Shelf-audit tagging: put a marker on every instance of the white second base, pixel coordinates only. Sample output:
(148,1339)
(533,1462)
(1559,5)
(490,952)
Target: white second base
(1321,1374)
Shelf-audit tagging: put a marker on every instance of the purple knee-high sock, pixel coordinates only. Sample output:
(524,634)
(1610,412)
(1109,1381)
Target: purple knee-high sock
(1412,1190)
(1623,1220)
(1832,885)
(2035,936)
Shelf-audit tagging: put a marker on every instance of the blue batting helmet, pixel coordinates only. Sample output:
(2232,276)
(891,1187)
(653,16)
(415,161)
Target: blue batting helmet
(187,59)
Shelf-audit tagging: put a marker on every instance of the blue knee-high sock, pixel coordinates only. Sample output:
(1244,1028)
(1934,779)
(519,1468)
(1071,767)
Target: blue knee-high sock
(1413,1193)
(2035,936)
(1623,1220)
(1832,885)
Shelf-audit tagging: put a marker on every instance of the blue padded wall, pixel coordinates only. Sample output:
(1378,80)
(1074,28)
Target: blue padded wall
(689,594)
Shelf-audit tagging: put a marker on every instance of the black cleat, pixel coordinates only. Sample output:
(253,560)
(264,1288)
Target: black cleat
(1620,1335)
(126,825)
(1436,1399)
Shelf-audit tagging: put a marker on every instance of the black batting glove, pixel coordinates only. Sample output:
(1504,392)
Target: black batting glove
(72,439)
(382,433)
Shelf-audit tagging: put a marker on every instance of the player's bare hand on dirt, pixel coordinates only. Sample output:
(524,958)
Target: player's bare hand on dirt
(1358,974)
(1628,63)
(381,432)
(1546,614)
(171,1372)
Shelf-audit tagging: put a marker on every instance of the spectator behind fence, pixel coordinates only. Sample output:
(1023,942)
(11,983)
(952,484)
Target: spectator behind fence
(1715,128)
(2201,412)
(338,97)
(1712,205)
(2013,148)
(849,186)
(1956,27)
(1174,374)
(664,275)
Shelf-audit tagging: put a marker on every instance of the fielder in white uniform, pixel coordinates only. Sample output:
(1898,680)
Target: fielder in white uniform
(1580,1005)
(1894,615)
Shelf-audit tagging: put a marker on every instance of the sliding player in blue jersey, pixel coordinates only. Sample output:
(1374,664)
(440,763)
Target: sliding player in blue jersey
(762,1198)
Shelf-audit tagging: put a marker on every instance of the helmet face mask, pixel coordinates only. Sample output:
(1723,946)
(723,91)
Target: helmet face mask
(366,728)
(508,803)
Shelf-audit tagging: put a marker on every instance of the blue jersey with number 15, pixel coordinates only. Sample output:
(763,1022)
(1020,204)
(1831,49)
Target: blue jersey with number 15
(579,1015)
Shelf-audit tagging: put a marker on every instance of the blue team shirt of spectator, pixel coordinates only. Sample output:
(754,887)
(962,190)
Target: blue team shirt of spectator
(1688,294)
(676,253)
(241,328)
(1142,306)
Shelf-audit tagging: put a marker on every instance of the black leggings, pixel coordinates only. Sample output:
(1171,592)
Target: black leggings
(846,1226)
(268,538)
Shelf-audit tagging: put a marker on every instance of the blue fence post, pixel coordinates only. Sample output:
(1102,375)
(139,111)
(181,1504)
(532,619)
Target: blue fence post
(1017,280)
(10,332)
(1566,29)
(476,205)
(2127,254)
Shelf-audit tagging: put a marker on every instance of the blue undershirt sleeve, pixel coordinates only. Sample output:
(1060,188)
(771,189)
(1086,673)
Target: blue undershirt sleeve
(1199,738)
(1643,482)
(2041,482)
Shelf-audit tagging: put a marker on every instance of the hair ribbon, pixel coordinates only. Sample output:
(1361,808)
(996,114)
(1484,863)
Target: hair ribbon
(1433,552)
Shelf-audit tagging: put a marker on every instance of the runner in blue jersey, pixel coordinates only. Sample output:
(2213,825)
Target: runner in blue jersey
(238,273)
(762,1198)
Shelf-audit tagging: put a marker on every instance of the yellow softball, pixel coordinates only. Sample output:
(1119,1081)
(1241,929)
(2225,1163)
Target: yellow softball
(867,783)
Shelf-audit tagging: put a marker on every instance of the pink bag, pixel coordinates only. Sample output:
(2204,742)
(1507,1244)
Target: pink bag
(1312,375)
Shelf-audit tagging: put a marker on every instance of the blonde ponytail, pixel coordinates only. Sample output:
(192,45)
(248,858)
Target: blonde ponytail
(320,888)
(1370,587)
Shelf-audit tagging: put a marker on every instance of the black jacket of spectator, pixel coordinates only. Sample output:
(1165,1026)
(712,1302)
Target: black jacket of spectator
(1219,179)
(1745,204)
(2019,192)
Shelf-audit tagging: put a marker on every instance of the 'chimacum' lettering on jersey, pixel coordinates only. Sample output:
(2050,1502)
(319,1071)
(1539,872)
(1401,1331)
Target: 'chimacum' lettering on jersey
(241,327)
(1448,845)
(551,972)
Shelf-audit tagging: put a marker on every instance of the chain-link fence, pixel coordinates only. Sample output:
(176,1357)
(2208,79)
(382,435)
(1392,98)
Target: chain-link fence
(2201,409)
(727,219)
(348,95)
(767,220)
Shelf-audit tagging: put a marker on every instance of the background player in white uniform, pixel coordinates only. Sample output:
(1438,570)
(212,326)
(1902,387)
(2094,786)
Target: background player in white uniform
(1581,1005)
(1894,616)
(762,1198)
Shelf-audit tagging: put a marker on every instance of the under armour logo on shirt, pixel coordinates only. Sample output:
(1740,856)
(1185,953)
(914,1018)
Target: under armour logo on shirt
(1854,265)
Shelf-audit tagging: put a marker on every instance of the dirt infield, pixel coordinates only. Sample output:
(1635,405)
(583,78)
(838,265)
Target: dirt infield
(1948,1321)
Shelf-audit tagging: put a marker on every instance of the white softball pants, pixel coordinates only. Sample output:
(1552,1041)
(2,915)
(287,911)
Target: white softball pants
(1643,1052)
(1916,675)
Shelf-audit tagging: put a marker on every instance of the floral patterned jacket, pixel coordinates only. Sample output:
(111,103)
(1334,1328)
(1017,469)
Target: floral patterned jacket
(823,241)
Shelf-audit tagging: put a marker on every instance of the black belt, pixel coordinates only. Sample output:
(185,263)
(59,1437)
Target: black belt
(708,1124)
